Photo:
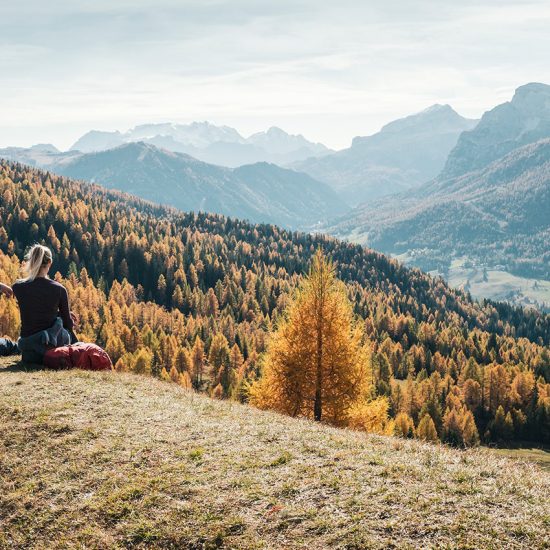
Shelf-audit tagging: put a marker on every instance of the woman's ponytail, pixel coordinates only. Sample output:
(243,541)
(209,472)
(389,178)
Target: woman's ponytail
(37,257)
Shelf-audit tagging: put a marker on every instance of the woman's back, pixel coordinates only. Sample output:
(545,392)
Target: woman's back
(41,301)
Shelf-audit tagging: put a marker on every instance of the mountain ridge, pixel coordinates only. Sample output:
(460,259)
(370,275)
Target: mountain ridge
(220,145)
(523,120)
(261,192)
(497,214)
(404,154)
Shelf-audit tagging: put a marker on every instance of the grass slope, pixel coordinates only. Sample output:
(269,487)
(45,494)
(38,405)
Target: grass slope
(95,460)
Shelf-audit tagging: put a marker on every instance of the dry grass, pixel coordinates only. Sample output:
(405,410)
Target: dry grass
(94,460)
(540,456)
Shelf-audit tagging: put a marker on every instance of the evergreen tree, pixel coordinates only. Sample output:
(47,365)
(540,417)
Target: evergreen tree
(470,435)
(404,425)
(198,363)
(426,429)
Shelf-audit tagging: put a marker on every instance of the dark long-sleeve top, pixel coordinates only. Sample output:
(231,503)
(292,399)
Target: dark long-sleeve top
(40,302)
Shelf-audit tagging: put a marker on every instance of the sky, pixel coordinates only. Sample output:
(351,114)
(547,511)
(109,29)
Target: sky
(325,69)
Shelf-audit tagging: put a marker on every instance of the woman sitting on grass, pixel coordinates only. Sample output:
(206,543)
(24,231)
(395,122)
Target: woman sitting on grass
(46,320)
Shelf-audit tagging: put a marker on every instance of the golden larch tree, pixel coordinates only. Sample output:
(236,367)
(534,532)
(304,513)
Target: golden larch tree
(315,365)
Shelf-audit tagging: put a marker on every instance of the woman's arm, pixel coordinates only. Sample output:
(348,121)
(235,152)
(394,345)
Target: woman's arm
(64,311)
(5,289)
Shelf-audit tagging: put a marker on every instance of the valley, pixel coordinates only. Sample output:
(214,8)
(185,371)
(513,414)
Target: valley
(499,285)
(493,284)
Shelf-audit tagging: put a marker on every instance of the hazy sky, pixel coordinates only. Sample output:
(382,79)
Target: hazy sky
(330,70)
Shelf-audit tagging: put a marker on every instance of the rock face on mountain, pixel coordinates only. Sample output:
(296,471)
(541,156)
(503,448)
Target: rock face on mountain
(220,145)
(96,140)
(260,192)
(495,216)
(525,119)
(404,154)
(278,142)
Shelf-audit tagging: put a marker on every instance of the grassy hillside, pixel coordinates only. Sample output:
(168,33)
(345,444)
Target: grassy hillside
(116,460)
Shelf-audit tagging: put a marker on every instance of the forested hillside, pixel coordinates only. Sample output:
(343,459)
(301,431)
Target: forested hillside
(498,215)
(259,192)
(194,297)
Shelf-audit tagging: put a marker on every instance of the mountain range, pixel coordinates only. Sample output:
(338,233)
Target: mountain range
(477,213)
(448,194)
(404,154)
(525,119)
(40,155)
(488,208)
(260,192)
(220,145)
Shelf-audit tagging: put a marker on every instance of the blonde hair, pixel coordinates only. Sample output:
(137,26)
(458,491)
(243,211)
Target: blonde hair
(37,257)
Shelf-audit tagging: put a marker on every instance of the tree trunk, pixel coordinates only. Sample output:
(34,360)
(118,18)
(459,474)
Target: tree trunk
(318,403)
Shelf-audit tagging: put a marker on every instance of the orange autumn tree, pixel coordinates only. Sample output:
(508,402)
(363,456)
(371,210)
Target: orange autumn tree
(315,365)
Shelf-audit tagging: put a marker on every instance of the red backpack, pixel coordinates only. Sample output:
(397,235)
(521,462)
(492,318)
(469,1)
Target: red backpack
(78,356)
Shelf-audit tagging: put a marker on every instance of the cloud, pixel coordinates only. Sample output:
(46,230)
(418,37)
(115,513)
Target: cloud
(329,70)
